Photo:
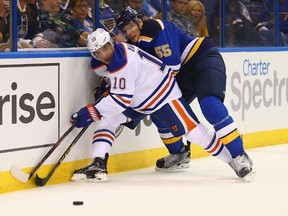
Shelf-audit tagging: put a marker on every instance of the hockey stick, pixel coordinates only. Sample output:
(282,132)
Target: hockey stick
(42,181)
(24,177)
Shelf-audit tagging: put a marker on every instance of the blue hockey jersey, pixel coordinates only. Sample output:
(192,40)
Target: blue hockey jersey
(166,41)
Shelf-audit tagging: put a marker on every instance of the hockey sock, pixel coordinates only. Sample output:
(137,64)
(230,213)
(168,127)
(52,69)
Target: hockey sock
(230,136)
(173,144)
(208,140)
(102,142)
(217,114)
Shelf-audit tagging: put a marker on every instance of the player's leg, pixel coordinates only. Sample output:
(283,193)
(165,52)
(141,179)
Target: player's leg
(179,119)
(211,99)
(217,114)
(179,154)
(103,139)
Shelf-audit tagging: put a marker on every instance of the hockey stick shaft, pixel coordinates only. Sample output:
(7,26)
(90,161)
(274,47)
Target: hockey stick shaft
(25,177)
(42,181)
(52,149)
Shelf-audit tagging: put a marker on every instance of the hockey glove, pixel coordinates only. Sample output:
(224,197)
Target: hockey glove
(98,92)
(85,116)
(104,86)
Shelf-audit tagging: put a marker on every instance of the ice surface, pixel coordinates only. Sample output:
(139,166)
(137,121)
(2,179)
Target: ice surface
(208,188)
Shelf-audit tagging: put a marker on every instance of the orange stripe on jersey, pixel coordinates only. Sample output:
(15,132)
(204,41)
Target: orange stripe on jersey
(190,124)
(123,100)
(160,93)
(230,137)
(103,135)
(194,49)
(215,147)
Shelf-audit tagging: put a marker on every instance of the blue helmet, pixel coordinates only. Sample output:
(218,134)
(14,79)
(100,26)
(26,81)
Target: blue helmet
(125,16)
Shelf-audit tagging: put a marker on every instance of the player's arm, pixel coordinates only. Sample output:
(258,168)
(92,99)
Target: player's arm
(95,112)
(162,43)
(115,103)
(167,52)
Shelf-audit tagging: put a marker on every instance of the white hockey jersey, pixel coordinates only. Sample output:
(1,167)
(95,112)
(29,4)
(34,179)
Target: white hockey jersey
(138,80)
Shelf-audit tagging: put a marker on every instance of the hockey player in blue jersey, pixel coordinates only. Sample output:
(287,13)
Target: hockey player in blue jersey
(141,85)
(200,72)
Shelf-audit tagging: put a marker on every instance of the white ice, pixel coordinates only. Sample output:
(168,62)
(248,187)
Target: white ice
(208,188)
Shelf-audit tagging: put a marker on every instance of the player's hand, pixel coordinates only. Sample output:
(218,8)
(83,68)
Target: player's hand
(42,44)
(104,86)
(98,92)
(85,116)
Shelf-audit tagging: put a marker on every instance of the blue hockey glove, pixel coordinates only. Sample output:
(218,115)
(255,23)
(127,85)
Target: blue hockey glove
(85,116)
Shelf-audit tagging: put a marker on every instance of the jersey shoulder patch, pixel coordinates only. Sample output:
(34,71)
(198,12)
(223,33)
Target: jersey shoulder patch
(99,68)
(150,29)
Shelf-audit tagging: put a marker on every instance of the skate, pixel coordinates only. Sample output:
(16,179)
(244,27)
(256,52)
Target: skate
(95,171)
(175,161)
(242,165)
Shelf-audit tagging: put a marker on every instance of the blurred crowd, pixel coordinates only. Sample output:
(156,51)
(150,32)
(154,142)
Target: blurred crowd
(66,23)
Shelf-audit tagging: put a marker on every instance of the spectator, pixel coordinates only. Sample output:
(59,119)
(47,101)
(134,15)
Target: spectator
(57,27)
(107,20)
(266,27)
(196,13)
(4,26)
(79,15)
(239,27)
(176,15)
(28,29)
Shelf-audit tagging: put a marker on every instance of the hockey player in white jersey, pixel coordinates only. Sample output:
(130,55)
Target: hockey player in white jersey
(141,85)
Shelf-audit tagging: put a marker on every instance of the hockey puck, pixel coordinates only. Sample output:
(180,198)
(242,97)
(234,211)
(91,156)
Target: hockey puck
(77,203)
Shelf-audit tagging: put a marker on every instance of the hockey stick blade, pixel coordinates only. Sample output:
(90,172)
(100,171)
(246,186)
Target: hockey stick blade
(42,181)
(24,177)
(19,174)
